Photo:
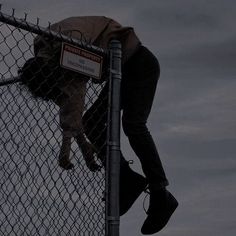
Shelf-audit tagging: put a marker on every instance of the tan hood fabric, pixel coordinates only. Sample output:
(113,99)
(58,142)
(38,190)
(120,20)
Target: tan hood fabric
(98,30)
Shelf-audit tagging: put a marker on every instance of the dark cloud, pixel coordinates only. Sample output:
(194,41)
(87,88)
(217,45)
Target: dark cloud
(193,117)
(216,57)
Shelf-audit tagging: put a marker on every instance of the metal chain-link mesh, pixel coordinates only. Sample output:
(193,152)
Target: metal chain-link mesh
(37,196)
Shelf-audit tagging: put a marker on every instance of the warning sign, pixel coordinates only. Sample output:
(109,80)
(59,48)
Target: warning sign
(80,60)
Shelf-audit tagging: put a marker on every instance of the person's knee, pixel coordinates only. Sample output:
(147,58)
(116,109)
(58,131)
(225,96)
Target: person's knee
(132,128)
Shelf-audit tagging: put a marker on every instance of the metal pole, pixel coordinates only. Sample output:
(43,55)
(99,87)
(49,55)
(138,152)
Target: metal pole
(113,154)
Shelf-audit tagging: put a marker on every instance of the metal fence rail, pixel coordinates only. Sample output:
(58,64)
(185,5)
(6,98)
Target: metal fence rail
(37,196)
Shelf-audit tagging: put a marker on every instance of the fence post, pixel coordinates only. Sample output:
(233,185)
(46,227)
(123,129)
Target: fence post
(113,155)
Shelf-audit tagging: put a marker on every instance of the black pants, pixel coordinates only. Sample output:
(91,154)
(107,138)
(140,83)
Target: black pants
(139,79)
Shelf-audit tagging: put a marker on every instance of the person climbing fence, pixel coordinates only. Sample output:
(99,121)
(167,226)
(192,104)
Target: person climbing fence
(140,74)
(43,76)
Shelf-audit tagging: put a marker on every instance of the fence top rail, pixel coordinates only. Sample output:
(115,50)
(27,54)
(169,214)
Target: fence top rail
(36,29)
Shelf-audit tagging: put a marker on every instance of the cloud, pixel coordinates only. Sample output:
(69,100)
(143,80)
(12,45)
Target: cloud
(203,110)
(193,116)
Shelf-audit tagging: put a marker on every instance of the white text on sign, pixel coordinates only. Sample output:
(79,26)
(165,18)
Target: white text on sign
(81,60)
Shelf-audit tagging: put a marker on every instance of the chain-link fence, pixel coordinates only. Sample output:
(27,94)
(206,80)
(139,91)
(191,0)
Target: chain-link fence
(51,178)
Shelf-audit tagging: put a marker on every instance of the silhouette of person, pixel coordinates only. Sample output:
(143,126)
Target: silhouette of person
(140,74)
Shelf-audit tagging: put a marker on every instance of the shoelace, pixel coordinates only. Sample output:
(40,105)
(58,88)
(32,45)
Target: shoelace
(146,190)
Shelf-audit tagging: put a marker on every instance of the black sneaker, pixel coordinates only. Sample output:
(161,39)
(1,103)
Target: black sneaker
(162,206)
(132,185)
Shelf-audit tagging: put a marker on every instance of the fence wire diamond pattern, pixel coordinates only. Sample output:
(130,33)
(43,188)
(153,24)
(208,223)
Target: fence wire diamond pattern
(38,197)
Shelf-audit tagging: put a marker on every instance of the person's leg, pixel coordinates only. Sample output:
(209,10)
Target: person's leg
(95,123)
(132,184)
(138,89)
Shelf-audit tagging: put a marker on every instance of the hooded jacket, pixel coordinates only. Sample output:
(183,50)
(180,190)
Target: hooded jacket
(96,30)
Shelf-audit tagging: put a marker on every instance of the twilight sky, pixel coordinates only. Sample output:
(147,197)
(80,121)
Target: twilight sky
(193,116)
